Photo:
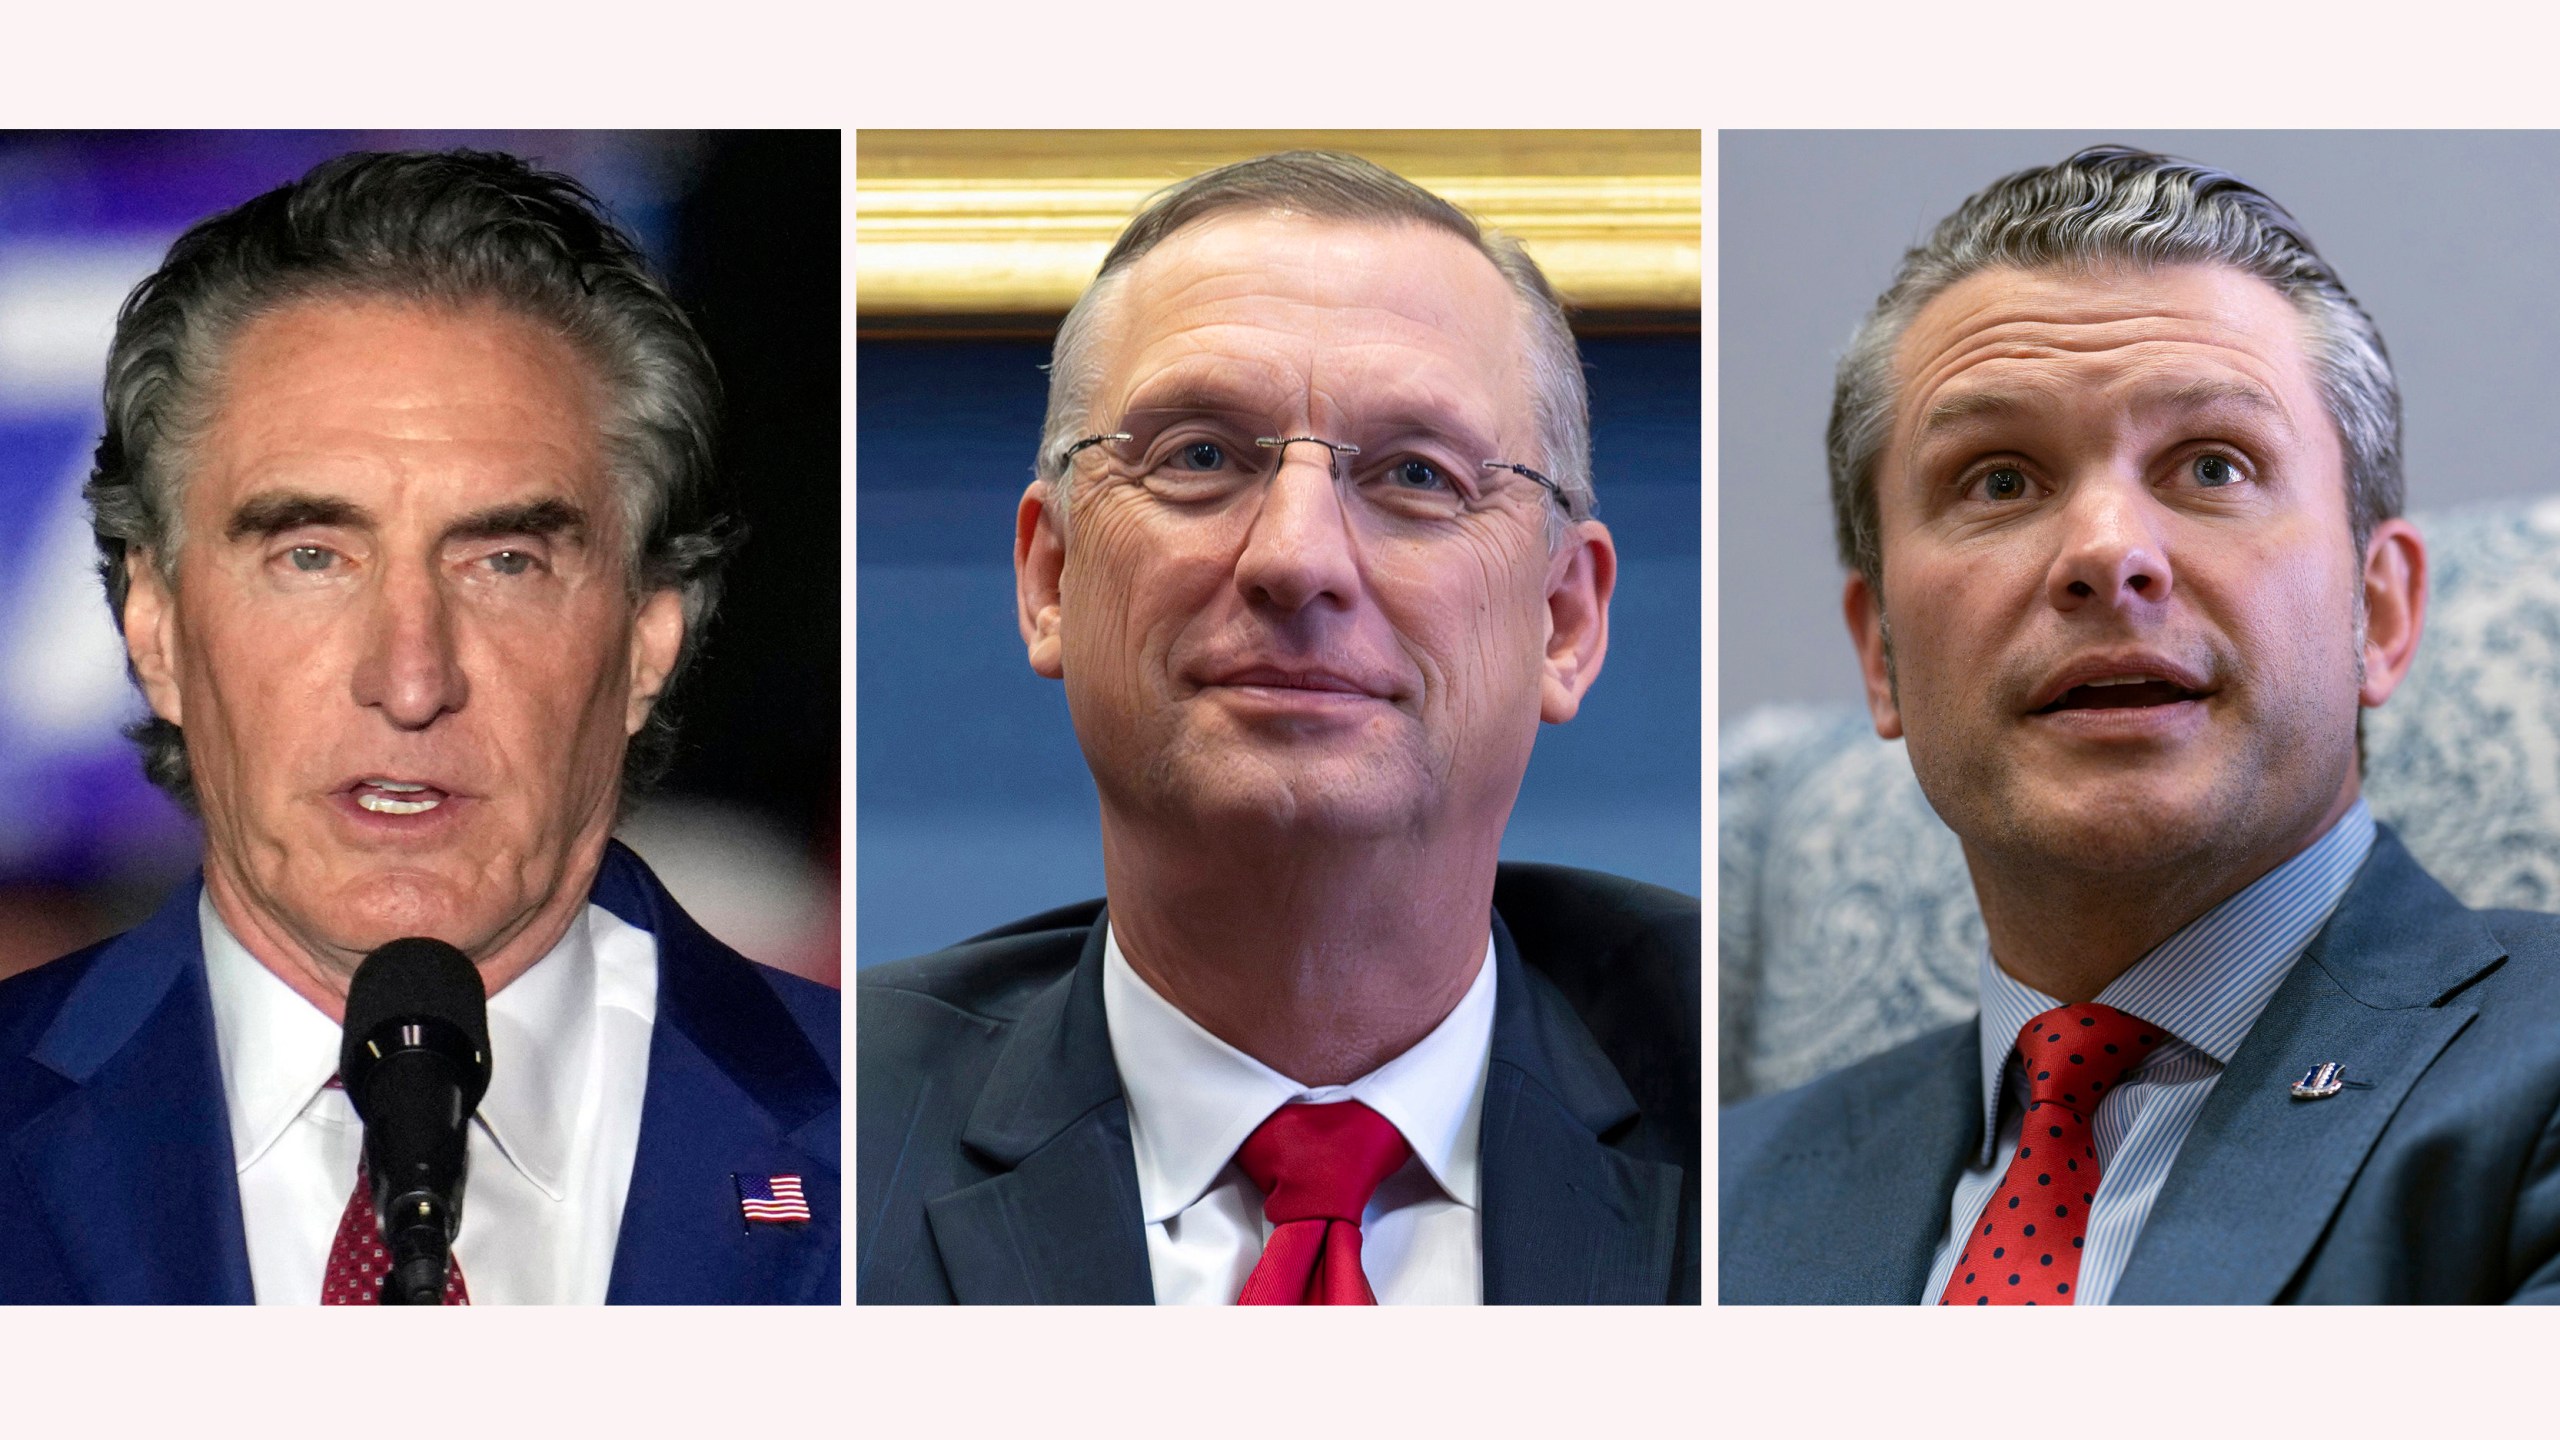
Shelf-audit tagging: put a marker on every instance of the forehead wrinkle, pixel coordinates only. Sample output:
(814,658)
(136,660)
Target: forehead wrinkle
(2115,313)
(2144,381)
(1206,379)
(2199,396)
(383,484)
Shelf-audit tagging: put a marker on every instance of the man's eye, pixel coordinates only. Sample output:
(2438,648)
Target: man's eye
(2005,483)
(511,562)
(1419,475)
(1201,455)
(310,559)
(2214,470)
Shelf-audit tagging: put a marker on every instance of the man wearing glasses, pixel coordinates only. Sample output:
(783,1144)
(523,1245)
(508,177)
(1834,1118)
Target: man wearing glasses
(1310,546)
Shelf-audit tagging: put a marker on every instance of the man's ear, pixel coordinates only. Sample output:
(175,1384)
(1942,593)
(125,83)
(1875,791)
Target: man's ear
(1865,614)
(657,638)
(2395,606)
(151,634)
(1039,564)
(1580,578)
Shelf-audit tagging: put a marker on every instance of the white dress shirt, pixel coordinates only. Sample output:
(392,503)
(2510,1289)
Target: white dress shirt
(1193,1100)
(551,1148)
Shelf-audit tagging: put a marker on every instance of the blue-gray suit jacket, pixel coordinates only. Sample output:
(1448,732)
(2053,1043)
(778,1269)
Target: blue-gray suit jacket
(2436,1178)
(993,1139)
(116,1173)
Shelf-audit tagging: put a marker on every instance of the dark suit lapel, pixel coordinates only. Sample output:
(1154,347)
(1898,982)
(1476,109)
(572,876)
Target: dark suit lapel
(1567,1218)
(132,1165)
(1062,1223)
(2261,1173)
(1883,1159)
(734,1089)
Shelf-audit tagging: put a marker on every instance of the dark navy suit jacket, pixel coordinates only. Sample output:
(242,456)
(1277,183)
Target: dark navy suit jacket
(993,1138)
(116,1168)
(2434,1177)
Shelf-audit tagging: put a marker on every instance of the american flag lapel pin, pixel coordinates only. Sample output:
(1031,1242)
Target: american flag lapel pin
(2321,1081)
(770,1200)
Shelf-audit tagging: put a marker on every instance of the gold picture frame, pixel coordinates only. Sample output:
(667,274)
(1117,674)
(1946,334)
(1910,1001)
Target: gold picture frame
(997,229)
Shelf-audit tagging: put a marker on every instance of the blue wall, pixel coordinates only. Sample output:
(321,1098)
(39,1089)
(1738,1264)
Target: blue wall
(973,805)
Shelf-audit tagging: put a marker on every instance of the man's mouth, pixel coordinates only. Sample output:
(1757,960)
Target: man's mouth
(2121,692)
(1312,679)
(397,797)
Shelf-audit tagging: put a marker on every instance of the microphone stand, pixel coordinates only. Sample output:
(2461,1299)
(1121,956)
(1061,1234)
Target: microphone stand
(415,1225)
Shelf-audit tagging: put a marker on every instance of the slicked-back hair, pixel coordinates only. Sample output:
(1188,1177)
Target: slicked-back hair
(451,229)
(2111,204)
(1325,185)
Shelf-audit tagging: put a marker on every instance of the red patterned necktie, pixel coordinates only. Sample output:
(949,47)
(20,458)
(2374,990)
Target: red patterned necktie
(358,1259)
(1317,1166)
(2025,1249)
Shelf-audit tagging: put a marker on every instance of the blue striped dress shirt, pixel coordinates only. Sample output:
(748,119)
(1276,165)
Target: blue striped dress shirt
(2205,986)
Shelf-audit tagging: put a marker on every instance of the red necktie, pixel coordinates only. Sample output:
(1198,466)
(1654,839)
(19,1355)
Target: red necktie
(2025,1250)
(358,1260)
(1317,1166)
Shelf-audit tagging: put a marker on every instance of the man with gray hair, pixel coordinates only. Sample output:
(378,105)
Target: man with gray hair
(405,508)
(1309,543)
(2115,466)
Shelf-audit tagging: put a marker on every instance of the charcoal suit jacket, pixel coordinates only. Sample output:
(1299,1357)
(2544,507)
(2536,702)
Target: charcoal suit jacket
(992,1136)
(2434,1176)
(116,1170)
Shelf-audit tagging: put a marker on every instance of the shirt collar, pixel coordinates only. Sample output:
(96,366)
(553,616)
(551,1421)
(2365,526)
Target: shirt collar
(2207,984)
(279,1051)
(1194,1099)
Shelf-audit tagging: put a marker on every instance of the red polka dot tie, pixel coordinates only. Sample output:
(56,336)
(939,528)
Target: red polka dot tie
(1317,1166)
(2025,1249)
(358,1259)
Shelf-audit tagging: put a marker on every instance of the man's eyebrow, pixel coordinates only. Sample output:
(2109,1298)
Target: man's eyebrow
(1196,394)
(277,511)
(1395,413)
(2210,393)
(1954,410)
(532,519)
(2203,393)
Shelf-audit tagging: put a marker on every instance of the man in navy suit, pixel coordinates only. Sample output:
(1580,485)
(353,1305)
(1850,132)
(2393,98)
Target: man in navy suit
(2115,464)
(405,508)
(1310,546)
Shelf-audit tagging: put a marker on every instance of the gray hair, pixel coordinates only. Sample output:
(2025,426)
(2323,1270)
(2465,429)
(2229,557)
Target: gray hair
(450,229)
(1327,186)
(2107,204)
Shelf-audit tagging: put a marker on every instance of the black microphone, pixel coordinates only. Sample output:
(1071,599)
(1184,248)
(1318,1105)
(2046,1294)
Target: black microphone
(415,1060)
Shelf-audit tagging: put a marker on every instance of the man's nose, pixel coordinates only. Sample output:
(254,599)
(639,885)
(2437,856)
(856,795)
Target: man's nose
(1300,549)
(2114,549)
(410,669)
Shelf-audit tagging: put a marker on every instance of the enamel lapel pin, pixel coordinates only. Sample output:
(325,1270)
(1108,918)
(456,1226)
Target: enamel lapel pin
(2320,1082)
(771,1199)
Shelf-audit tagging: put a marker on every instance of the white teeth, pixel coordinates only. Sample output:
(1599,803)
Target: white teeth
(2121,680)
(380,806)
(394,785)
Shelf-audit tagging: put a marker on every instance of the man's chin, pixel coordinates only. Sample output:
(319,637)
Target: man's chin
(1340,796)
(376,910)
(2128,827)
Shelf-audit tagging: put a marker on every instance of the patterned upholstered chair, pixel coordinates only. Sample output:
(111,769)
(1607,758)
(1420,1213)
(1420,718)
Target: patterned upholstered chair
(1845,920)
